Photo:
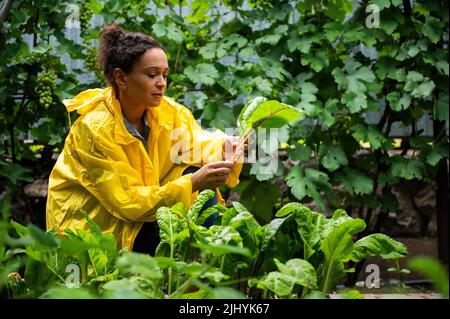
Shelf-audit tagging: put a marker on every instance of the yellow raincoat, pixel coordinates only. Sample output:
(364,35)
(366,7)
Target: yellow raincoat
(108,173)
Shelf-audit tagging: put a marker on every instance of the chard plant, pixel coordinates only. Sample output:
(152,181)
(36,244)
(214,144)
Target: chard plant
(298,254)
(260,112)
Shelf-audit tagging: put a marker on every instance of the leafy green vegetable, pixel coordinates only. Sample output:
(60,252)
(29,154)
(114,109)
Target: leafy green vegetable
(260,112)
(432,269)
(378,245)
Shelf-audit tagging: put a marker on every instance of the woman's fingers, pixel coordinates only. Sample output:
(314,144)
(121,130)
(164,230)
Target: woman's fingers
(223,164)
(221,171)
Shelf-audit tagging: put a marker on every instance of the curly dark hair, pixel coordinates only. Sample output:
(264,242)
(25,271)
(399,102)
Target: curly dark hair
(121,49)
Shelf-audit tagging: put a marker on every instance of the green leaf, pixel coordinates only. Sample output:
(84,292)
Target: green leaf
(198,270)
(414,76)
(268,231)
(339,217)
(439,151)
(202,73)
(353,76)
(174,33)
(225,293)
(244,219)
(122,289)
(369,134)
(301,272)
(273,39)
(95,6)
(354,101)
(208,51)
(259,112)
(337,10)
(21,230)
(263,85)
(355,182)
(301,152)
(139,264)
(433,270)
(424,89)
(303,43)
(276,282)
(96,230)
(159,29)
(199,12)
(15,172)
(239,207)
(73,246)
(431,29)
(308,182)
(388,23)
(332,30)
(228,216)
(64,292)
(351,294)
(317,60)
(385,67)
(42,237)
(441,108)
(407,169)
(202,198)
(337,248)
(355,79)
(222,235)
(399,104)
(70,48)
(97,256)
(169,226)
(308,98)
(220,250)
(332,156)
(289,208)
(209,212)
(312,228)
(378,245)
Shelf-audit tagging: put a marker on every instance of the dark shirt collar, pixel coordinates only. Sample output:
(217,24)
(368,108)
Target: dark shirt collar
(133,131)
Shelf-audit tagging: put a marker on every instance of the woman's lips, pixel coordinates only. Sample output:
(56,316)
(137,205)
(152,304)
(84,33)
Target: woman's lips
(157,95)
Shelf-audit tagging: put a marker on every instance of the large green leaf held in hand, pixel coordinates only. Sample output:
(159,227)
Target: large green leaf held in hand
(260,112)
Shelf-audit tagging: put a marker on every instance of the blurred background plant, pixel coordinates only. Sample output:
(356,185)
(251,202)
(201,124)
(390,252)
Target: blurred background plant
(434,270)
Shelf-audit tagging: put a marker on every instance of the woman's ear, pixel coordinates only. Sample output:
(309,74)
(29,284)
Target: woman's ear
(119,78)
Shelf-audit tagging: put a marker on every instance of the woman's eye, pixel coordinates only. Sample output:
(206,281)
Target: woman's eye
(152,75)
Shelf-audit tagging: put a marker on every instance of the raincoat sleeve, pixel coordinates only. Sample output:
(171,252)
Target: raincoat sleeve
(211,145)
(105,172)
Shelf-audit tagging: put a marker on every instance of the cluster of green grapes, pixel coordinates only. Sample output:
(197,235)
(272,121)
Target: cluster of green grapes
(85,17)
(46,81)
(90,61)
(35,57)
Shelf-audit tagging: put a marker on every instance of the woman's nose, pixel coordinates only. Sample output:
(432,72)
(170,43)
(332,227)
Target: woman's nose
(161,83)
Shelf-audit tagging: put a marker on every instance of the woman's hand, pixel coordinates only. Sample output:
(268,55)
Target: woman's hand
(211,175)
(231,146)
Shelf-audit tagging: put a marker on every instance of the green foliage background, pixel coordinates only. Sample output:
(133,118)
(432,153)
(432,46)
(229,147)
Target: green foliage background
(311,54)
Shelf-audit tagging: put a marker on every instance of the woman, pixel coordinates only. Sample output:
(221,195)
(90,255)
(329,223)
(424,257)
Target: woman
(127,153)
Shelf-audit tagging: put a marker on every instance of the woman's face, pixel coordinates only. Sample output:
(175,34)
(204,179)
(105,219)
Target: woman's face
(146,83)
